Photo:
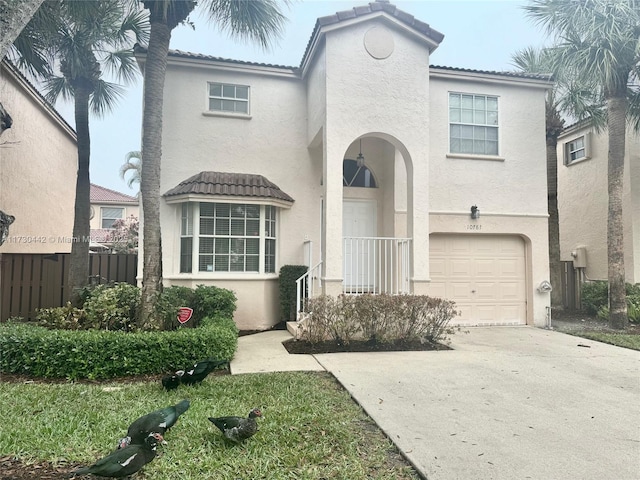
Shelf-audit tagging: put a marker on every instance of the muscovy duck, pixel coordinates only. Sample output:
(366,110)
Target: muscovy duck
(195,374)
(158,421)
(124,462)
(238,429)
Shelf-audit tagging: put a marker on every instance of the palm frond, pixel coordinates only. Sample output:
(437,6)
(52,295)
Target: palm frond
(122,64)
(260,21)
(57,87)
(105,97)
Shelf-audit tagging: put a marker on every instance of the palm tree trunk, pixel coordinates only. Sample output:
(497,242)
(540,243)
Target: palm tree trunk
(616,114)
(79,261)
(154,75)
(555,266)
(14,15)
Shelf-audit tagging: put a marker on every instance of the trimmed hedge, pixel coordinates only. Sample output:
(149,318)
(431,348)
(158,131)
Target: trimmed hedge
(288,276)
(39,352)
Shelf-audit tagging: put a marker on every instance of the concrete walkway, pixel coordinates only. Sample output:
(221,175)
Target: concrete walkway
(505,403)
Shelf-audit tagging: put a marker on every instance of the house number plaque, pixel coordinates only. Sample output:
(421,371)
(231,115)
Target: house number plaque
(473,226)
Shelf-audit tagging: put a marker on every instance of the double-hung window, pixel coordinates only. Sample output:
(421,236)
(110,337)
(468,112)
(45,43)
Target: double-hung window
(473,124)
(577,149)
(227,97)
(109,215)
(229,237)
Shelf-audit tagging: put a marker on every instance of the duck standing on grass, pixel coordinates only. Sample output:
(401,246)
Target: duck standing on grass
(195,374)
(238,429)
(125,461)
(159,422)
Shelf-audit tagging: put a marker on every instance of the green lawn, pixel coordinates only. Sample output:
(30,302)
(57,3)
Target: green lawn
(619,339)
(311,428)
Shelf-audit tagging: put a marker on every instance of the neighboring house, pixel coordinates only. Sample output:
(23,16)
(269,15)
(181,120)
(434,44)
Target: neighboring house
(38,165)
(365,161)
(583,201)
(107,207)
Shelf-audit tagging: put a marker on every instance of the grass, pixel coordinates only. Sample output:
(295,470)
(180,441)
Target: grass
(311,428)
(618,339)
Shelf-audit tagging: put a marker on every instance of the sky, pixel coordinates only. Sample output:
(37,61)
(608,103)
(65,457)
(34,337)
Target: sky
(478,34)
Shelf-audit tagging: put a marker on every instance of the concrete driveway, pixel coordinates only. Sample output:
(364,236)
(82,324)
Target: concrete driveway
(507,403)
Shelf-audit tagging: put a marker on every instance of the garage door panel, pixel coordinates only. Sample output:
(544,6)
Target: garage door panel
(483,274)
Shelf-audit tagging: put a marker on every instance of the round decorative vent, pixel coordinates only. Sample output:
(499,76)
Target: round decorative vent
(378,42)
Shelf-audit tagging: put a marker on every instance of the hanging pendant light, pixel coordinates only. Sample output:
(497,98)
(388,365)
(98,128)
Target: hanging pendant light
(360,157)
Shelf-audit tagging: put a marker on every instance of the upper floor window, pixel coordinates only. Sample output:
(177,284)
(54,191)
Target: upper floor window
(226,97)
(576,149)
(354,175)
(227,237)
(473,124)
(109,215)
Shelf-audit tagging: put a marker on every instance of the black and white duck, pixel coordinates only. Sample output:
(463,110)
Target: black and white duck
(125,461)
(196,374)
(158,421)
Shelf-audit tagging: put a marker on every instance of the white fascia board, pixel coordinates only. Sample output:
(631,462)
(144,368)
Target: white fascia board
(486,77)
(173,199)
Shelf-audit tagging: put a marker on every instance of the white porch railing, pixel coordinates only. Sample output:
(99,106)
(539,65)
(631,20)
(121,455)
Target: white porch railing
(376,265)
(373,265)
(307,286)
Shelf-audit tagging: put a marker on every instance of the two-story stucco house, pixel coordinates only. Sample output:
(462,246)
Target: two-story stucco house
(107,207)
(38,164)
(583,201)
(379,171)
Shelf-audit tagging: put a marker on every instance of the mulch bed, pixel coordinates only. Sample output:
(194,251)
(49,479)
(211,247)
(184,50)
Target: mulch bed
(305,347)
(12,468)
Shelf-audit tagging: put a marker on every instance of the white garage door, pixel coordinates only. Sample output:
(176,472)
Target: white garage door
(483,274)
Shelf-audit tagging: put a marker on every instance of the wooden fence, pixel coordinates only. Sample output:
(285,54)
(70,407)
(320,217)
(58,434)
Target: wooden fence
(32,281)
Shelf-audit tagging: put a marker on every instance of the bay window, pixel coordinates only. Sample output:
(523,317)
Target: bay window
(228,237)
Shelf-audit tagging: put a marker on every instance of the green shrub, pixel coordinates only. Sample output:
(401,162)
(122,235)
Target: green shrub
(378,318)
(287,277)
(168,303)
(213,301)
(594,296)
(114,307)
(99,354)
(67,318)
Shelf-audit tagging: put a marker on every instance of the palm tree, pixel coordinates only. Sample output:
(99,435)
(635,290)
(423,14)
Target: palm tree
(572,97)
(598,40)
(86,35)
(258,20)
(133,164)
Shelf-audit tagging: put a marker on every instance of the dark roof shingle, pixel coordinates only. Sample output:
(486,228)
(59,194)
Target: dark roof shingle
(229,184)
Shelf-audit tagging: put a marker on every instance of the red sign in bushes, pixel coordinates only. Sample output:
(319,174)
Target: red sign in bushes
(184,314)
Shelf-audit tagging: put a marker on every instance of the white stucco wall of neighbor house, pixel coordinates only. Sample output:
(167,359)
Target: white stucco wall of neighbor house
(377,86)
(510,188)
(270,141)
(38,164)
(583,203)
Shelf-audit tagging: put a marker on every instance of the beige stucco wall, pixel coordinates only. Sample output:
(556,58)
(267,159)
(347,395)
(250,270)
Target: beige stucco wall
(583,204)
(129,211)
(300,129)
(38,163)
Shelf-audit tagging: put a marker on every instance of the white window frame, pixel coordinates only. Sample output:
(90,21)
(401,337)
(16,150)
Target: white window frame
(225,96)
(570,149)
(114,219)
(489,122)
(267,234)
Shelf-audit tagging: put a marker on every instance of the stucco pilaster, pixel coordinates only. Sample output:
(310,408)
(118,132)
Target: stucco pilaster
(332,213)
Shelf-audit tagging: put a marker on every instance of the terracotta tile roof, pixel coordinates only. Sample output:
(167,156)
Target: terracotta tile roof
(536,76)
(373,7)
(100,194)
(229,184)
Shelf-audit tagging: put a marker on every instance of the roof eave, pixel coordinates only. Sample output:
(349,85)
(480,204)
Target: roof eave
(489,77)
(200,197)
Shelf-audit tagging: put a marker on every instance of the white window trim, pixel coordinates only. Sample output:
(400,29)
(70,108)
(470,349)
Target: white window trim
(195,248)
(102,218)
(474,156)
(566,160)
(222,113)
